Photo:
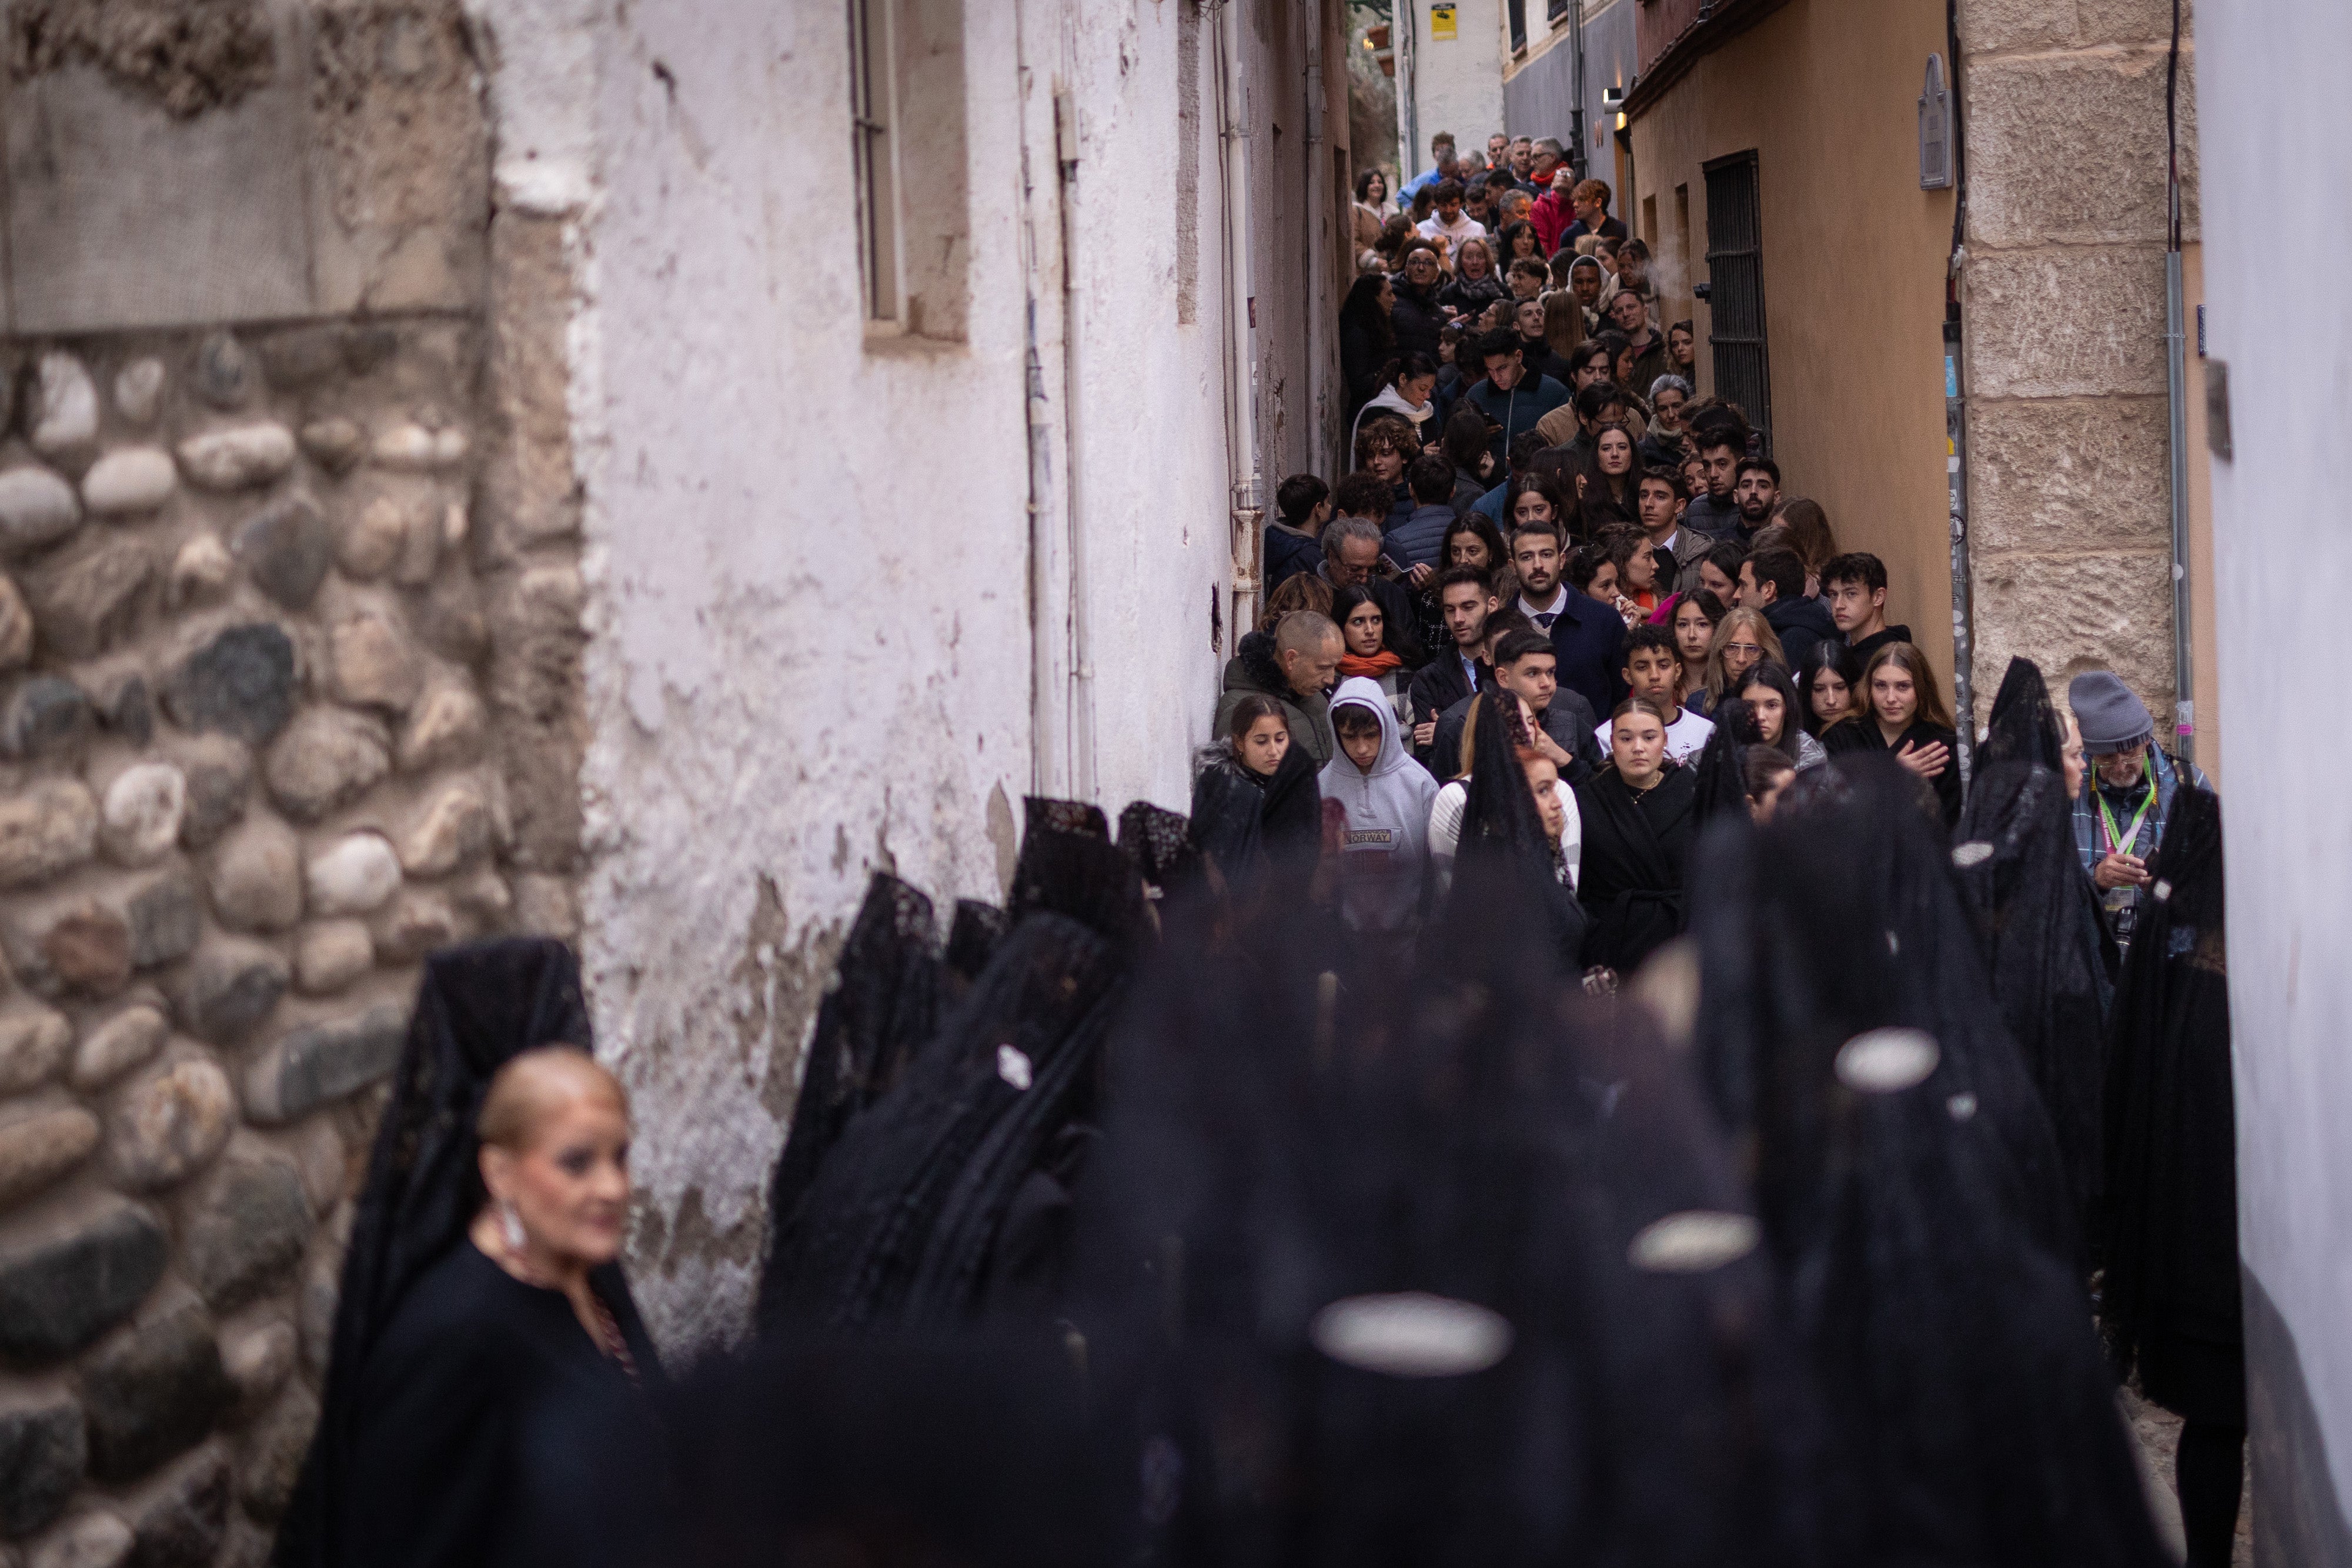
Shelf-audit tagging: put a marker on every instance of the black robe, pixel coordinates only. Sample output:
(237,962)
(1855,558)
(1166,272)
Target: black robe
(2172,1307)
(1633,855)
(477,1414)
(1862,734)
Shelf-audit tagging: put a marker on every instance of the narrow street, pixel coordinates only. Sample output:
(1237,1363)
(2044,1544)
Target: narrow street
(1179,781)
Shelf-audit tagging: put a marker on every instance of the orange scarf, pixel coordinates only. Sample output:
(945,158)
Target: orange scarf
(1372,669)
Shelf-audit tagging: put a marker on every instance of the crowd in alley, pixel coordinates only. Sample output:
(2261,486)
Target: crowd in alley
(1552,556)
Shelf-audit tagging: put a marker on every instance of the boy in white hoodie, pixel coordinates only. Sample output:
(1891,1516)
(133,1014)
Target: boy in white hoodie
(1385,847)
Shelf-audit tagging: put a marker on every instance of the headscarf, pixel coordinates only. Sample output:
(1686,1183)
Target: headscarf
(1384,844)
(477,1007)
(2024,726)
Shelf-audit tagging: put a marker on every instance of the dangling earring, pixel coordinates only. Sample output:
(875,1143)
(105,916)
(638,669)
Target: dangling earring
(510,1226)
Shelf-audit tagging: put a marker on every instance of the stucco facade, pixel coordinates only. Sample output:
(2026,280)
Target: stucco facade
(1449,77)
(848,597)
(1854,262)
(449,484)
(2274,141)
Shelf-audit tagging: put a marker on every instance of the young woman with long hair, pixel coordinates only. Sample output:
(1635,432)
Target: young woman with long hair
(1903,713)
(1771,696)
(1693,619)
(1637,822)
(1608,487)
(1364,650)
(1407,389)
(1829,683)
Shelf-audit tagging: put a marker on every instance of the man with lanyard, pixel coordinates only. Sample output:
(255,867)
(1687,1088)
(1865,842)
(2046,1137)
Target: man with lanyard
(2119,817)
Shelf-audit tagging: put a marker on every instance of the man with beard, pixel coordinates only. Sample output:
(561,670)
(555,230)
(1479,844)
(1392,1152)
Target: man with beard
(1585,634)
(2119,817)
(1755,491)
(1466,597)
(1721,447)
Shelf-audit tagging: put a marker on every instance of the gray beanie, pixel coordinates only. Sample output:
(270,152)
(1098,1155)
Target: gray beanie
(2110,718)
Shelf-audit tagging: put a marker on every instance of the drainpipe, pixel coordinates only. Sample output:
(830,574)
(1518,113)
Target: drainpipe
(1241,315)
(1956,424)
(2176,378)
(1081,663)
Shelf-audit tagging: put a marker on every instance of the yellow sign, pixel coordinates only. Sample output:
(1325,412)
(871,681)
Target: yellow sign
(1441,22)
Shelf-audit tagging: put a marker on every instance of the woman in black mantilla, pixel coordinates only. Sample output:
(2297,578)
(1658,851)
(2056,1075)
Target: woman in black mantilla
(1638,822)
(2171,1307)
(487,1356)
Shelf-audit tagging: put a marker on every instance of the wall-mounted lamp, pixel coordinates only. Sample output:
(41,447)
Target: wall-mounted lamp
(1612,98)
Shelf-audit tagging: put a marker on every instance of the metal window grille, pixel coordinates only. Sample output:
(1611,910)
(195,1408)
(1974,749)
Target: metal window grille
(875,155)
(1735,262)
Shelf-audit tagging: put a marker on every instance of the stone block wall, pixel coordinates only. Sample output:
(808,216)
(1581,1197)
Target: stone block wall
(289,645)
(2069,484)
(246,782)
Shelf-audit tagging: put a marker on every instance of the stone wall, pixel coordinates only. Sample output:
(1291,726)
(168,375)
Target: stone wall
(290,644)
(244,787)
(2069,485)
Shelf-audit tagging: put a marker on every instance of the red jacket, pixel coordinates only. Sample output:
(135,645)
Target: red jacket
(1551,215)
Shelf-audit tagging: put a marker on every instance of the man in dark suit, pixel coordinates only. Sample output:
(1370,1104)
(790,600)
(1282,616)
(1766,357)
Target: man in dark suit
(1466,597)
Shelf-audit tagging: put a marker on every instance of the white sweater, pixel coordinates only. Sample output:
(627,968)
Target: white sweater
(1445,833)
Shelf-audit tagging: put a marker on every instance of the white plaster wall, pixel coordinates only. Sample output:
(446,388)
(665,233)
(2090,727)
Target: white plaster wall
(2274,144)
(808,566)
(1151,459)
(1458,81)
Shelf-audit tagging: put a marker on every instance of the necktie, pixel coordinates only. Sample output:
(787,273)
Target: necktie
(1544,618)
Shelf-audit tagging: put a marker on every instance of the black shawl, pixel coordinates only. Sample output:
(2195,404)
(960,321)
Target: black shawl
(2038,920)
(2024,726)
(1719,773)
(1635,853)
(884,1005)
(2171,1304)
(1502,839)
(1966,1386)
(477,1007)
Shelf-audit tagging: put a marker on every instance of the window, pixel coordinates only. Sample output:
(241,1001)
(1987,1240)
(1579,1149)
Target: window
(1556,11)
(1518,13)
(914,215)
(1735,265)
(876,156)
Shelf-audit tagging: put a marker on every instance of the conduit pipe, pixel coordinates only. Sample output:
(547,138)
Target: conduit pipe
(2176,384)
(1247,506)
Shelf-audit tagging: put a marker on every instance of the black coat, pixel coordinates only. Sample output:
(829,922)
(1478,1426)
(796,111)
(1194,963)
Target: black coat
(1800,624)
(1416,318)
(1361,355)
(468,1439)
(1862,734)
(1590,638)
(1635,849)
(1437,686)
(1569,721)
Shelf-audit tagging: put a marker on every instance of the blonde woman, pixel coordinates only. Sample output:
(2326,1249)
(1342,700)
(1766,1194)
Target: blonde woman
(1743,638)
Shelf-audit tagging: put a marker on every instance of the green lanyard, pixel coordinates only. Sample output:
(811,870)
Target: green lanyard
(2121,843)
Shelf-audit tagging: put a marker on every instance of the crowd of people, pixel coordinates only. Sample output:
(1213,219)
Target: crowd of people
(1589,1080)
(1545,527)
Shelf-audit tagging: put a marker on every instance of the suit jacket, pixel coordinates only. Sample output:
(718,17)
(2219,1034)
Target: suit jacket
(1438,685)
(1569,721)
(1589,637)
